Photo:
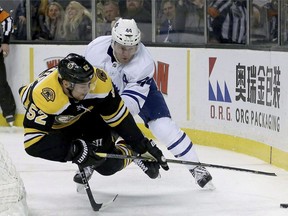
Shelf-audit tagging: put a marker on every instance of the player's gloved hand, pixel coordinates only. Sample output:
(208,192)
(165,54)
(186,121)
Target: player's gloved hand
(155,152)
(82,153)
(151,168)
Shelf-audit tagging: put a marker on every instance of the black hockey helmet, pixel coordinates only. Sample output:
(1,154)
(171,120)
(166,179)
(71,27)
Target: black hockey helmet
(74,68)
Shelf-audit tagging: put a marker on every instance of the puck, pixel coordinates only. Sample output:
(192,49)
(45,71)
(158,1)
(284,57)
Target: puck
(284,205)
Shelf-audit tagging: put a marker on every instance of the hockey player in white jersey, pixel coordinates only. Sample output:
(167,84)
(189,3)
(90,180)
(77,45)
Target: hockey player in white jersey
(131,68)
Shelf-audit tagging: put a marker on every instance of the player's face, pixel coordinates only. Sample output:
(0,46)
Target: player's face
(124,53)
(80,90)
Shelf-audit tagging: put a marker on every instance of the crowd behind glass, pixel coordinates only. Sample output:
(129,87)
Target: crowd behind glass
(175,22)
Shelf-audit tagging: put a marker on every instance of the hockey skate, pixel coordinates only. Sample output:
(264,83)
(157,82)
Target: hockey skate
(151,169)
(202,177)
(78,180)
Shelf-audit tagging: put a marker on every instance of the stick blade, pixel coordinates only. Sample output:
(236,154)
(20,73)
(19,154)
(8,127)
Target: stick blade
(106,204)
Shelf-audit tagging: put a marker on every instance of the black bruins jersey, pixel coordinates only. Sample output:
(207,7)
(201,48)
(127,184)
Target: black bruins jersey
(48,108)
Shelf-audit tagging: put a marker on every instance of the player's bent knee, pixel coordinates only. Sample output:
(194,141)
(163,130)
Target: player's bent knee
(110,167)
(165,130)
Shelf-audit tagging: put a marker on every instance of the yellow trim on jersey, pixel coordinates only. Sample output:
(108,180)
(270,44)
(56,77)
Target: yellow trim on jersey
(120,107)
(101,84)
(120,120)
(33,130)
(32,136)
(24,95)
(117,117)
(124,151)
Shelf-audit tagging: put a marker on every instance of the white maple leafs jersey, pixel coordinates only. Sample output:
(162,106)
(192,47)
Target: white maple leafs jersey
(131,80)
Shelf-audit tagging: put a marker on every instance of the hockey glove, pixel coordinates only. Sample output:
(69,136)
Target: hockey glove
(151,168)
(155,152)
(82,153)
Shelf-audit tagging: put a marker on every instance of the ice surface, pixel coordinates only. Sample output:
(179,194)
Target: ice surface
(51,191)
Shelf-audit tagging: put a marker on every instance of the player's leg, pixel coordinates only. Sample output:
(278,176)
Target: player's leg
(7,102)
(151,169)
(111,166)
(179,144)
(156,116)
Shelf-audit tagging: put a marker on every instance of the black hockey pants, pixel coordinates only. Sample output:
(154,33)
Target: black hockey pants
(7,101)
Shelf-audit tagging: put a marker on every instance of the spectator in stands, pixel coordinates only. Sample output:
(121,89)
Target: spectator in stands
(85,3)
(194,23)
(77,22)
(51,23)
(272,13)
(227,21)
(43,6)
(258,24)
(264,21)
(256,16)
(7,101)
(172,22)
(110,14)
(20,32)
(111,10)
(140,11)
(135,10)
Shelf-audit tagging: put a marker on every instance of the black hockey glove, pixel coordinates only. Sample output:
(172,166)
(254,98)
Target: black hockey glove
(155,152)
(82,153)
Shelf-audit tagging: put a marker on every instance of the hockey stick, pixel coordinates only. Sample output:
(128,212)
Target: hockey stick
(116,156)
(95,206)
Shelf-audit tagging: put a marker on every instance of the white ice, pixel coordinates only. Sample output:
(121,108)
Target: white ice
(51,191)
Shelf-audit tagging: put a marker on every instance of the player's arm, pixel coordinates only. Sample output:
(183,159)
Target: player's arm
(218,7)
(116,115)
(137,88)
(114,111)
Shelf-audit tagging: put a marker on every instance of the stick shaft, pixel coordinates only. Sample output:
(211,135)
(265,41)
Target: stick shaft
(117,156)
(95,206)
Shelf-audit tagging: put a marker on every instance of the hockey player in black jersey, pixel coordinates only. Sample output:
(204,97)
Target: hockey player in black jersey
(71,111)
